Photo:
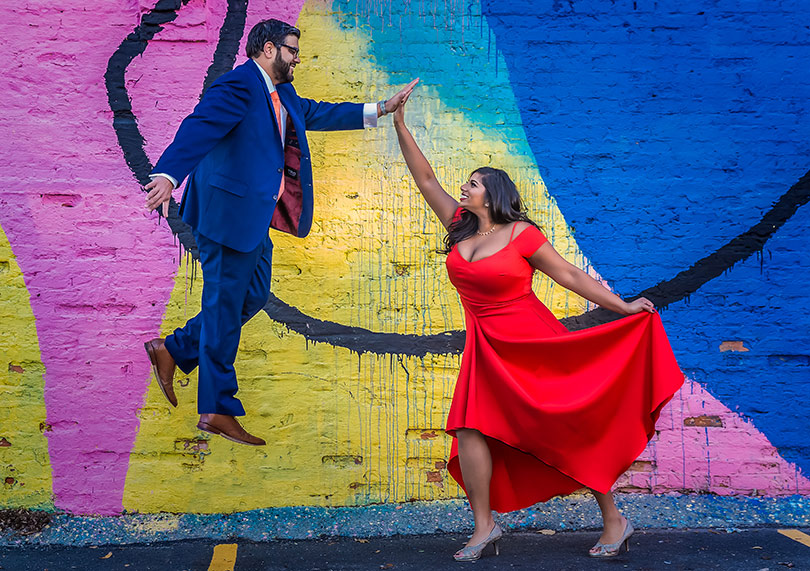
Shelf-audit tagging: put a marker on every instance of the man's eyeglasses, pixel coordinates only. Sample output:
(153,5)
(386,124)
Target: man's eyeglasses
(293,51)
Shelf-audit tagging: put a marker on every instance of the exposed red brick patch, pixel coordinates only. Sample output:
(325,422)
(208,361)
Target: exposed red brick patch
(703,420)
(10,481)
(12,368)
(441,465)
(4,443)
(434,476)
(736,346)
(641,466)
(424,433)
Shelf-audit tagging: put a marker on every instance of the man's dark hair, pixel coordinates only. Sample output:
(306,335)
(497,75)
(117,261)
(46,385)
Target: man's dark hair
(273,31)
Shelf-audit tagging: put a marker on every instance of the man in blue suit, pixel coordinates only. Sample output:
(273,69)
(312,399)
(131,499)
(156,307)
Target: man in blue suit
(244,150)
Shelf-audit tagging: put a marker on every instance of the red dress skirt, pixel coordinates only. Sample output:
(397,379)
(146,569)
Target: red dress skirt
(560,410)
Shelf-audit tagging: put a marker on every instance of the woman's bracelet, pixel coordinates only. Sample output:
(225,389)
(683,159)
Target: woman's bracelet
(381,107)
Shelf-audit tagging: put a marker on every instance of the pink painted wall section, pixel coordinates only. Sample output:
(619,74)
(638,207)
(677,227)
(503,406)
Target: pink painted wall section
(704,447)
(74,216)
(165,83)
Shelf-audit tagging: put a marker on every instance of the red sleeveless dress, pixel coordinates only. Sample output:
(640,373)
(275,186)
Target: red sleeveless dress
(560,410)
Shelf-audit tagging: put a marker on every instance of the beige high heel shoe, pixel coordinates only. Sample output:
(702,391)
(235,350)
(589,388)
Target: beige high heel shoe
(612,549)
(473,552)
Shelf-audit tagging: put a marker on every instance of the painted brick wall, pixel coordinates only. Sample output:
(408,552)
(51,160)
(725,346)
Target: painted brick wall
(659,149)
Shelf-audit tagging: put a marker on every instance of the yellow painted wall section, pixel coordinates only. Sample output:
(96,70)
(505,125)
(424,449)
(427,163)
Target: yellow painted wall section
(342,428)
(25,470)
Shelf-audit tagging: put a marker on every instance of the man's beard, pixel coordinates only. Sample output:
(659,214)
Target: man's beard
(282,68)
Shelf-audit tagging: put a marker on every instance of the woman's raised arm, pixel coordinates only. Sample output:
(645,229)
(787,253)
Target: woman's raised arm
(440,202)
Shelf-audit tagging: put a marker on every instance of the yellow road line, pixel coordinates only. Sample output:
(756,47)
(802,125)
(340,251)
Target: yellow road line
(224,557)
(796,535)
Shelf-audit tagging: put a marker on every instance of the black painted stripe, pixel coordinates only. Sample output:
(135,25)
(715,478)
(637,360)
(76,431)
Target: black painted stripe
(362,340)
(230,35)
(124,121)
(715,264)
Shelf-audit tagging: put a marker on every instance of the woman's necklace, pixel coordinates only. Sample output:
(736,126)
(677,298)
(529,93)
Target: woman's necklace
(488,232)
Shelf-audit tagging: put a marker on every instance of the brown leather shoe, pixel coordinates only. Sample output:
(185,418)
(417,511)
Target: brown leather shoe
(227,427)
(163,366)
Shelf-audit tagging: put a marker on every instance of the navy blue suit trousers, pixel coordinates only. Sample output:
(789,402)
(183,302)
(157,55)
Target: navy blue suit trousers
(236,286)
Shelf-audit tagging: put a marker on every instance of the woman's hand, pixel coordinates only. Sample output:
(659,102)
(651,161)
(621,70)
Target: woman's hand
(394,103)
(639,305)
(439,201)
(399,112)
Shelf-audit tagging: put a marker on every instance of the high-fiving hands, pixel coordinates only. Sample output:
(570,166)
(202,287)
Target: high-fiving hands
(401,97)
(399,110)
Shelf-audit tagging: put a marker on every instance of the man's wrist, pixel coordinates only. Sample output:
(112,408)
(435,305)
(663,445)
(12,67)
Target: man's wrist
(371,113)
(381,110)
(168,177)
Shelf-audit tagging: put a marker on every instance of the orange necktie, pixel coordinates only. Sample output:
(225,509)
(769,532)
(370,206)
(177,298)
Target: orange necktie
(277,110)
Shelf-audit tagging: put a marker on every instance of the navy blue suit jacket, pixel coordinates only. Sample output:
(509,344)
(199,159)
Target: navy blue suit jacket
(230,150)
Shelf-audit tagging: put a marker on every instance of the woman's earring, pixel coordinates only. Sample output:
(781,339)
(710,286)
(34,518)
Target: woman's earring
(486,204)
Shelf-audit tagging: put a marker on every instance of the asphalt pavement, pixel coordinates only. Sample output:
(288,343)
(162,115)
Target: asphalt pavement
(752,549)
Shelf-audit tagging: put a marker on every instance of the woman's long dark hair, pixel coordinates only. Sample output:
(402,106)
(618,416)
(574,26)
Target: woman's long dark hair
(505,206)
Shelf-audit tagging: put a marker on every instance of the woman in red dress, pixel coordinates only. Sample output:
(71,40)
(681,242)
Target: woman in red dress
(538,411)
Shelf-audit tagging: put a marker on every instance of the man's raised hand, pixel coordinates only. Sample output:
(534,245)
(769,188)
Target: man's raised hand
(392,104)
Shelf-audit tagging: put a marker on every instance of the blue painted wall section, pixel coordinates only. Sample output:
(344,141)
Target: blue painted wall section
(664,131)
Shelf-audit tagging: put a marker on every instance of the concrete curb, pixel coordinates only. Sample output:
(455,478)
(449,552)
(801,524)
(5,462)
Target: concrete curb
(572,513)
